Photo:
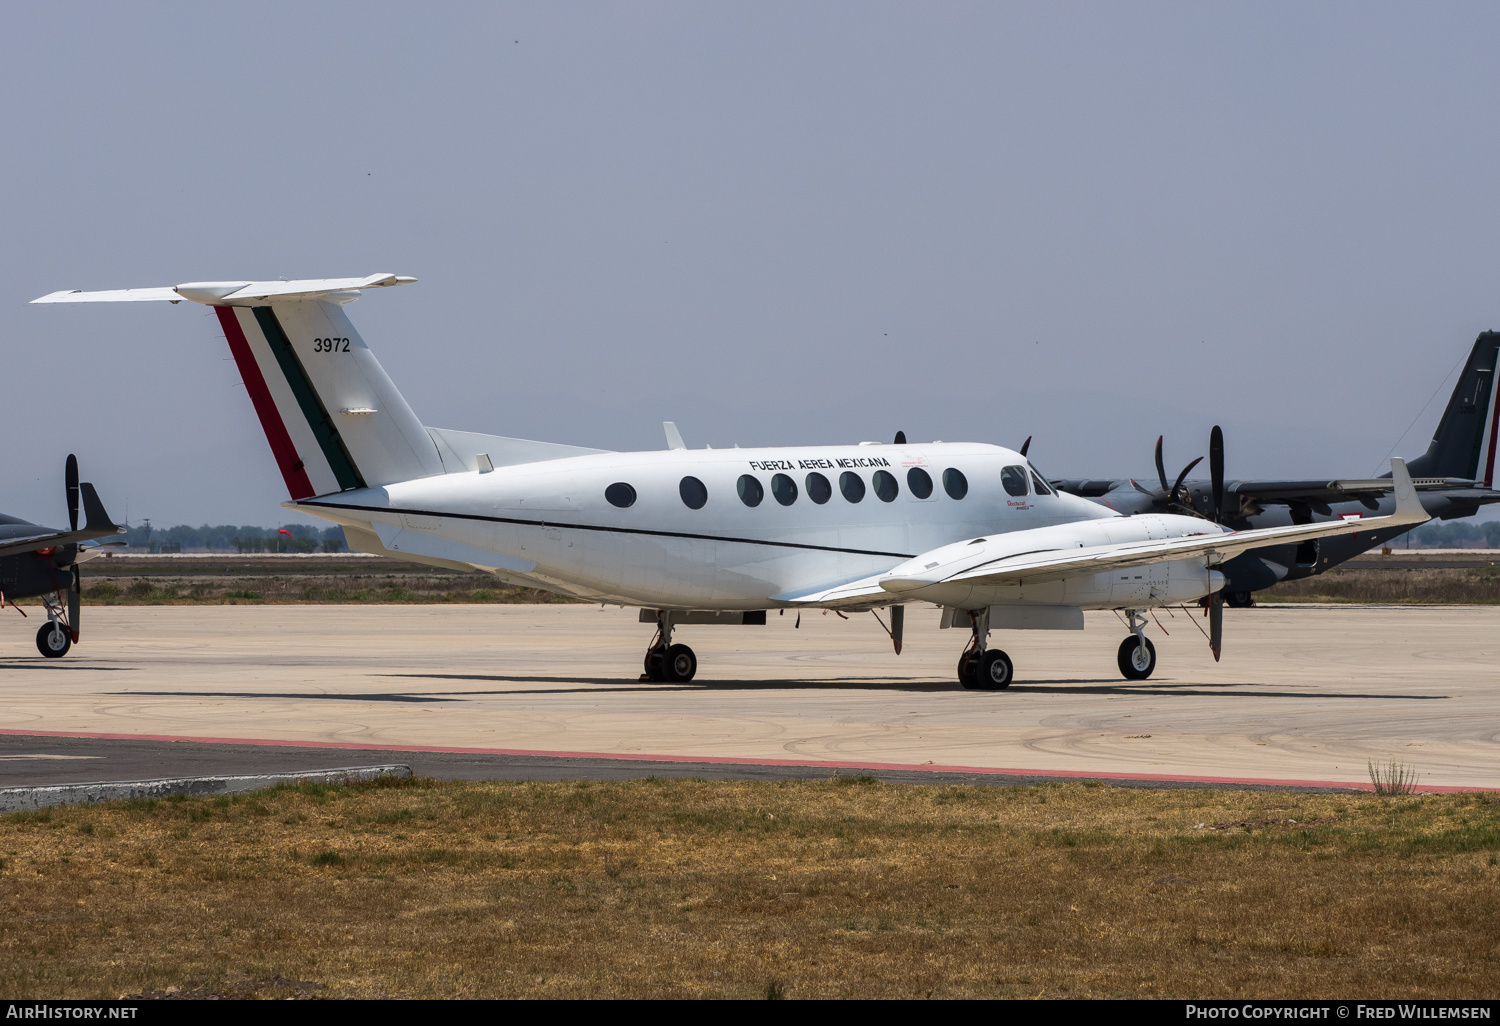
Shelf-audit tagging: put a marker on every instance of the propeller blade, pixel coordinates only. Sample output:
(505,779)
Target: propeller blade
(898,623)
(1139,488)
(1172,495)
(1216,469)
(75,599)
(1161,469)
(1025,445)
(900,437)
(1216,624)
(70,475)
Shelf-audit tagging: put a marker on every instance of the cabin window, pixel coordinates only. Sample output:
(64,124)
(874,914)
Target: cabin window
(1038,485)
(886,488)
(620,494)
(1014,480)
(919,481)
(750,490)
(694,494)
(784,489)
(955,484)
(818,488)
(852,485)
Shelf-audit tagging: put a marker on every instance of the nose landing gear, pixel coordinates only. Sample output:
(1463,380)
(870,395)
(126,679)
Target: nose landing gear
(56,636)
(1137,656)
(666,661)
(981,668)
(53,640)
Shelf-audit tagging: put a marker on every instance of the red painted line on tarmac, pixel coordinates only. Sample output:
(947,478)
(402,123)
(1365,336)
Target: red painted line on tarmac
(724,760)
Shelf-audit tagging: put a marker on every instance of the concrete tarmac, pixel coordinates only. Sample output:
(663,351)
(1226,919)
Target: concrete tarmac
(1305,694)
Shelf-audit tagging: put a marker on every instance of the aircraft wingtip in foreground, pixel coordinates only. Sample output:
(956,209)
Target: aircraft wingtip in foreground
(702,535)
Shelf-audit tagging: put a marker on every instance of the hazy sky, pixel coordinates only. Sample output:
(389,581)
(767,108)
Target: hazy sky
(772,223)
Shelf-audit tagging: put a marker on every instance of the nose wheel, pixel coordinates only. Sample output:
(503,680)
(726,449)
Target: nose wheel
(53,640)
(1137,657)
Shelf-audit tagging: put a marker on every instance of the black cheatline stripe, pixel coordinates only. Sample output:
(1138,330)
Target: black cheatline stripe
(323,430)
(607,530)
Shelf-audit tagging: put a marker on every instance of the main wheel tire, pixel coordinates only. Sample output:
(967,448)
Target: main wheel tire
(653,666)
(968,670)
(681,664)
(995,670)
(1137,658)
(1239,599)
(53,640)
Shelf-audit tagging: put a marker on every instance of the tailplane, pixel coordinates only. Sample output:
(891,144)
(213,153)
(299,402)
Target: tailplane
(1464,446)
(334,419)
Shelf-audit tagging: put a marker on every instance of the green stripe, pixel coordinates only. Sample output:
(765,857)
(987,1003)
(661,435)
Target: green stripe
(323,430)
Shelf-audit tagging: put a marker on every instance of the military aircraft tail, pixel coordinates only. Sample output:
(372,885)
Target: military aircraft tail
(1464,445)
(334,419)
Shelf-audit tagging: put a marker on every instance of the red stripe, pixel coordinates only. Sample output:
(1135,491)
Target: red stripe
(725,760)
(292,470)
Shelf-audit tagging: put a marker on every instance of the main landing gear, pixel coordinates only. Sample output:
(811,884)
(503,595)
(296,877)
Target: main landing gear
(981,668)
(1137,656)
(666,661)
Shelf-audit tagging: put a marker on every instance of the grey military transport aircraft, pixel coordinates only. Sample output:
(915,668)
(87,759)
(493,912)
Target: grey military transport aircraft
(1454,478)
(38,561)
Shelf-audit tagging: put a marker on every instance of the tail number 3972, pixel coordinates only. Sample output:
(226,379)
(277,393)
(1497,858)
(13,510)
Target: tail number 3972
(330,345)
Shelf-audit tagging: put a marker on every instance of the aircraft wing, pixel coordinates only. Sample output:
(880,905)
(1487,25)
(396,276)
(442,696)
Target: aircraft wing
(1054,564)
(1215,548)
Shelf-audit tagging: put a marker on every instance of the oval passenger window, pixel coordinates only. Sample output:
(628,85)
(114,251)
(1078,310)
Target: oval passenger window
(1014,480)
(852,485)
(818,488)
(919,481)
(750,490)
(885,486)
(620,494)
(784,488)
(955,484)
(694,494)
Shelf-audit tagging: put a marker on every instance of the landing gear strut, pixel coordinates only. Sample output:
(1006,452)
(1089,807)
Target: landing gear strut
(981,668)
(666,661)
(1137,656)
(56,636)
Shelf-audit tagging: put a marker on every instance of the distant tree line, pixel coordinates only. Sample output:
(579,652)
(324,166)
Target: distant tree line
(301,538)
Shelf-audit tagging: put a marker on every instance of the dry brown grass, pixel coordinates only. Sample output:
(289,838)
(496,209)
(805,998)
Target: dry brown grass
(827,889)
(1476,585)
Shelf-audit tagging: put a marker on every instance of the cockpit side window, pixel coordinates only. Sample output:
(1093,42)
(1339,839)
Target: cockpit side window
(1014,480)
(1038,485)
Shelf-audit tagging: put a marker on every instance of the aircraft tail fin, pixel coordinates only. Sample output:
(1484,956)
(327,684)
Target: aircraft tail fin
(1464,445)
(334,419)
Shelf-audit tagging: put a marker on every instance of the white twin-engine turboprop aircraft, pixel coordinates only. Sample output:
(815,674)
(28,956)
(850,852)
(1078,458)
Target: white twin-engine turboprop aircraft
(708,535)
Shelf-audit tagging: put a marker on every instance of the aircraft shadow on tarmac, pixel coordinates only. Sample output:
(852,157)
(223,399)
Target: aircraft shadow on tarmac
(52,666)
(352,696)
(1059,687)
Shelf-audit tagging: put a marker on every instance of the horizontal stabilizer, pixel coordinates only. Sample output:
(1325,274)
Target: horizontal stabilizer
(230,293)
(97,525)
